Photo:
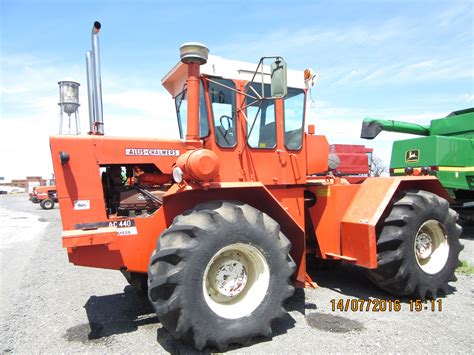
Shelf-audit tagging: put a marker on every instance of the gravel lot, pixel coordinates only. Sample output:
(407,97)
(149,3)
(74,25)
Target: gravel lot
(51,306)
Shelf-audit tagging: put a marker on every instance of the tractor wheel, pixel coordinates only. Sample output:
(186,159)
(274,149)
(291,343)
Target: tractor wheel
(47,204)
(137,280)
(418,246)
(220,275)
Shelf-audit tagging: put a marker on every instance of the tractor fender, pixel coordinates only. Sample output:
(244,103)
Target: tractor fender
(181,198)
(373,198)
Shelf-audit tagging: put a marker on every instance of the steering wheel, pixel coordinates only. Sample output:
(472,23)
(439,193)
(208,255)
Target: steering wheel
(229,124)
(229,121)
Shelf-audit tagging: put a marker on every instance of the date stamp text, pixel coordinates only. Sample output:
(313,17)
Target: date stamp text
(381,305)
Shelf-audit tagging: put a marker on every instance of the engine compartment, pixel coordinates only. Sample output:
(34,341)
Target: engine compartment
(133,190)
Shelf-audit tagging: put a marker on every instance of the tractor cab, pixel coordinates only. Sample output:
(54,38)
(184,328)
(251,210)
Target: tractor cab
(256,111)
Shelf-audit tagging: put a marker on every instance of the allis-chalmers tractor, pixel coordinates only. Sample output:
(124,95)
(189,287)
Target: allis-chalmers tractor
(46,196)
(217,225)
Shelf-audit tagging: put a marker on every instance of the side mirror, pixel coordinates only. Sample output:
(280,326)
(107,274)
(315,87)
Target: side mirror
(278,74)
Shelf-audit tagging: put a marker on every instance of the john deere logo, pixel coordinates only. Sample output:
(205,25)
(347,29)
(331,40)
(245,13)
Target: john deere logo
(412,156)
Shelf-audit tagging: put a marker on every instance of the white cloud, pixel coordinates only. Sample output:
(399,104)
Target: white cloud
(286,41)
(24,145)
(409,70)
(150,114)
(149,102)
(342,125)
(13,90)
(453,14)
(24,141)
(397,50)
(468,97)
(30,113)
(386,51)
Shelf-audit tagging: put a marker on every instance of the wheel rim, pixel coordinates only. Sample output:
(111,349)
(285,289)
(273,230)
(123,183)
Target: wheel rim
(236,280)
(431,247)
(48,204)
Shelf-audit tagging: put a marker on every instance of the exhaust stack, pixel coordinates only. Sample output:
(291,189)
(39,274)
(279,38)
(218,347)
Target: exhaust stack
(90,91)
(94,84)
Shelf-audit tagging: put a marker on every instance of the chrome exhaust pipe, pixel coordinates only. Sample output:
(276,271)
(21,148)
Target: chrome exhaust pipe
(90,92)
(97,83)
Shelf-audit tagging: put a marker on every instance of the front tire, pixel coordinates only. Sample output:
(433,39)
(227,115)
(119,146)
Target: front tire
(220,275)
(47,204)
(418,246)
(137,280)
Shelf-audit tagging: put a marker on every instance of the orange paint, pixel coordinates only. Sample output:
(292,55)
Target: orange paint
(193,102)
(340,216)
(200,164)
(154,179)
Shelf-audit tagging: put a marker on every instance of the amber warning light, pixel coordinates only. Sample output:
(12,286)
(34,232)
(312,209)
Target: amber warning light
(310,77)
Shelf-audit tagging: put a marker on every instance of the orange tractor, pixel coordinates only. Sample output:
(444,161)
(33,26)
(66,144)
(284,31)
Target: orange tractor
(46,196)
(217,226)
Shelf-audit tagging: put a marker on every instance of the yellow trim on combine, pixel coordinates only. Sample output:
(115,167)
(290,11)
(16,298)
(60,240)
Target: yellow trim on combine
(442,168)
(456,168)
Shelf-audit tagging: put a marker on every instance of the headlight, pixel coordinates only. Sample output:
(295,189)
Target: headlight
(177,175)
(409,170)
(425,170)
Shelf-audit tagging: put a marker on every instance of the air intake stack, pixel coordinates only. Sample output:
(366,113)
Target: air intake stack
(194,55)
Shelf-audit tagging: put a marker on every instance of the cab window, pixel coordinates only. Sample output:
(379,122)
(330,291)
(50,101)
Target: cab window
(294,115)
(181,102)
(261,127)
(223,102)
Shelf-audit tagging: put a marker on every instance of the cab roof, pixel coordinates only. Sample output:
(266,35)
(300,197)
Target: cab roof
(227,69)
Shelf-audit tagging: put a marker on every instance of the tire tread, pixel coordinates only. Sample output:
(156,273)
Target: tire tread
(169,261)
(393,273)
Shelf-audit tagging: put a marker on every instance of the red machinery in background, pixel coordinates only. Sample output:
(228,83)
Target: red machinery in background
(350,160)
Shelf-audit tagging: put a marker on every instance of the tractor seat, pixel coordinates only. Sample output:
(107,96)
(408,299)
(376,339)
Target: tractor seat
(268,136)
(293,139)
(225,138)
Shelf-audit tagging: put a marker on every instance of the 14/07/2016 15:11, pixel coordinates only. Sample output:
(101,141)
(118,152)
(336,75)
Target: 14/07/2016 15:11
(380,305)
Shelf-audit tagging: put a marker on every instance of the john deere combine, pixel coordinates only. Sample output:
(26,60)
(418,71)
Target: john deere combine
(445,150)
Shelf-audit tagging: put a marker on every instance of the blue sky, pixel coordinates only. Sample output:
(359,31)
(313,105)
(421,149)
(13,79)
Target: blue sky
(409,60)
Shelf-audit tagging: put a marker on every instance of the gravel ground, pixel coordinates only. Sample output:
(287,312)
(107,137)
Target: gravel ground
(51,306)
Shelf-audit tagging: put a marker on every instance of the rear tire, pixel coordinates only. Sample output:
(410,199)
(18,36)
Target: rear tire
(220,275)
(47,204)
(418,246)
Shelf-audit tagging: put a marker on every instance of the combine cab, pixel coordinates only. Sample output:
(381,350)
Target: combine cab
(217,225)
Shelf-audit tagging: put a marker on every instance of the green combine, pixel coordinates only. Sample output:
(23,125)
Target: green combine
(446,150)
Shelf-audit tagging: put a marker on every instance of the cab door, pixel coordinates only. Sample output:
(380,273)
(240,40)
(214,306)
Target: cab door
(274,135)
(255,137)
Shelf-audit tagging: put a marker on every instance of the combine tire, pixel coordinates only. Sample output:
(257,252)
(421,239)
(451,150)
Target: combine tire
(220,275)
(47,204)
(418,246)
